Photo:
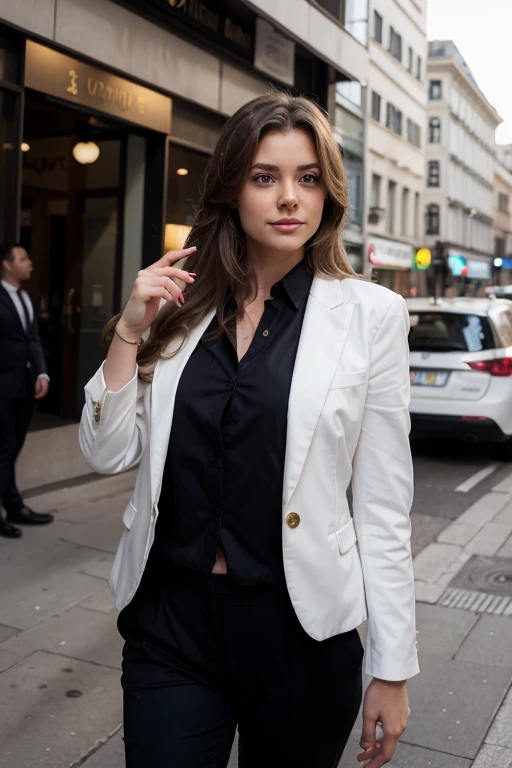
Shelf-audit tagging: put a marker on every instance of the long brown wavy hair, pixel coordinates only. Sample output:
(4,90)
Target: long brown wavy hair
(221,260)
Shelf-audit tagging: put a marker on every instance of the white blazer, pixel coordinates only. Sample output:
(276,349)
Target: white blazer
(348,421)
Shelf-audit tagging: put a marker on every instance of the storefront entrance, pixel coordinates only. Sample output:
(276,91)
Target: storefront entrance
(71,225)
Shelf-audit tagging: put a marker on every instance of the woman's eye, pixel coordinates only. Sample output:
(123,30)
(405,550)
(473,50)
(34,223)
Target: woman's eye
(264,178)
(312,178)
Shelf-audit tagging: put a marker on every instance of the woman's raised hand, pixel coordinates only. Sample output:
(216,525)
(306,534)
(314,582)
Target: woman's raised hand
(159,281)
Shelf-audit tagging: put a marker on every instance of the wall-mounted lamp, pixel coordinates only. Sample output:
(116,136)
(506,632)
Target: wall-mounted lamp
(86,152)
(25,147)
(182,172)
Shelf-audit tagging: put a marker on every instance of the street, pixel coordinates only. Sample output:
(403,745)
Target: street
(60,652)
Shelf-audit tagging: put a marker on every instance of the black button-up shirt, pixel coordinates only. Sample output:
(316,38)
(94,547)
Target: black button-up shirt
(223,476)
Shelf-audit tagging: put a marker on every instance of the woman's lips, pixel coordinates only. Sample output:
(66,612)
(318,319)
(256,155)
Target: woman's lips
(287,227)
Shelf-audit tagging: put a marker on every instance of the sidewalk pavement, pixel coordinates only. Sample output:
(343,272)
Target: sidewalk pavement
(60,699)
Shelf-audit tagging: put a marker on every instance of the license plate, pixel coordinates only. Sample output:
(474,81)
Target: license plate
(429,378)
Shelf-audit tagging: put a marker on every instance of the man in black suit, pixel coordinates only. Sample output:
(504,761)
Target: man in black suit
(23,376)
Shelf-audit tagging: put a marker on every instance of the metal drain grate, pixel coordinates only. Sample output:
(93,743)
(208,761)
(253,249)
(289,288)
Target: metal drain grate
(481,602)
(492,575)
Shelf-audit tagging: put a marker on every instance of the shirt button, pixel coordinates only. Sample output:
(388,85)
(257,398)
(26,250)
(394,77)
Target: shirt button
(265,333)
(217,511)
(230,386)
(292,519)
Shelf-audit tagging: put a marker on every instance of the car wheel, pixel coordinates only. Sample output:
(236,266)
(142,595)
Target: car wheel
(504,450)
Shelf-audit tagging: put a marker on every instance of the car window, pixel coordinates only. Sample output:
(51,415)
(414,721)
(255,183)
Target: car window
(449,332)
(502,319)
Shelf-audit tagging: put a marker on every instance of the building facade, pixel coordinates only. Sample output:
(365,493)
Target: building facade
(395,168)
(459,200)
(110,111)
(502,222)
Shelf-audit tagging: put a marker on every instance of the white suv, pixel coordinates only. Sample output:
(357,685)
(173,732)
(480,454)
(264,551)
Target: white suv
(461,370)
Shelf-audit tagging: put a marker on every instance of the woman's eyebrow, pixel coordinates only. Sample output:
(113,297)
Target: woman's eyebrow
(267,167)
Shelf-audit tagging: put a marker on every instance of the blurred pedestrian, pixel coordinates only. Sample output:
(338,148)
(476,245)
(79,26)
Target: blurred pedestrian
(272,376)
(23,377)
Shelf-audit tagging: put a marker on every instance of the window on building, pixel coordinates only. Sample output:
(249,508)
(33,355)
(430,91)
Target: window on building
(410,61)
(432,219)
(391,206)
(502,202)
(434,90)
(413,133)
(416,219)
(418,68)
(404,213)
(434,130)
(375,192)
(334,7)
(434,178)
(499,246)
(394,119)
(376,102)
(377,27)
(395,44)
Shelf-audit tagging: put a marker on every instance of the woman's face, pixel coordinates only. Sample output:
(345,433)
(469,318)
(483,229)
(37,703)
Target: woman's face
(285,183)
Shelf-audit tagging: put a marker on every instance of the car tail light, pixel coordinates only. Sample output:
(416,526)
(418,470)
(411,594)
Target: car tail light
(501,366)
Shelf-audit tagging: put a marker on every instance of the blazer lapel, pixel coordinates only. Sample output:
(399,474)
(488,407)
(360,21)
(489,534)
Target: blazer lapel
(9,303)
(323,336)
(163,392)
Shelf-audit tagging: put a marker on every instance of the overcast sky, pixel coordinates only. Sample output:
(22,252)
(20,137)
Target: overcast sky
(482,31)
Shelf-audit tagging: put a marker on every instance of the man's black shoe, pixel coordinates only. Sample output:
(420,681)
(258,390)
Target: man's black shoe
(8,530)
(27,516)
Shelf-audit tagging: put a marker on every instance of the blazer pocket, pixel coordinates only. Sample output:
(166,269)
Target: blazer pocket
(129,515)
(354,379)
(346,536)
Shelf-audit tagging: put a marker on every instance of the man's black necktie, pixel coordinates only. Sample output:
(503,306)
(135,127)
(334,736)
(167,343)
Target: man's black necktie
(26,313)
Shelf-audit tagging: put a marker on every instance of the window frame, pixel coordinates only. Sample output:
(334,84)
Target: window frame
(434,130)
(434,173)
(378,26)
(394,36)
(432,219)
(432,89)
(376,101)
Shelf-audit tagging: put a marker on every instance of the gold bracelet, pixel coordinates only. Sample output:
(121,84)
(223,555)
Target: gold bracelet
(138,342)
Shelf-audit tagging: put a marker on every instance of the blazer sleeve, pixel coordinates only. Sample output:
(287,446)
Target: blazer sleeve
(382,486)
(35,349)
(114,428)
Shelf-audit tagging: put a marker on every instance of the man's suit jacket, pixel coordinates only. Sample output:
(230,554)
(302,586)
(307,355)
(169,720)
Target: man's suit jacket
(19,350)
(348,421)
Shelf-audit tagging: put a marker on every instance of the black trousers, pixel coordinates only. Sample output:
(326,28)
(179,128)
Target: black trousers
(15,415)
(203,656)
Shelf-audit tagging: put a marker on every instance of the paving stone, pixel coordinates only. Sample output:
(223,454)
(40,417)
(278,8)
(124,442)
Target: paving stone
(42,576)
(63,498)
(493,757)
(44,728)
(6,632)
(506,549)
(505,516)
(490,639)
(425,530)
(435,559)
(489,539)
(452,703)
(102,600)
(505,486)
(427,593)
(101,569)
(473,519)
(454,568)
(110,755)
(442,630)
(78,633)
(102,534)
(409,756)
(501,729)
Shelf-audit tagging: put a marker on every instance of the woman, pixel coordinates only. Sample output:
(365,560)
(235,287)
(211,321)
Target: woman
(271,378)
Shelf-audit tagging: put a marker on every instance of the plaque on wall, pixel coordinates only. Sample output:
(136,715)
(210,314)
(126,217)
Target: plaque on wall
(75,81)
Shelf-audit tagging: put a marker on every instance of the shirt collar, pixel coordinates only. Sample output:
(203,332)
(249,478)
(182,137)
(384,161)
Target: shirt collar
(295,284)
(9,287)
